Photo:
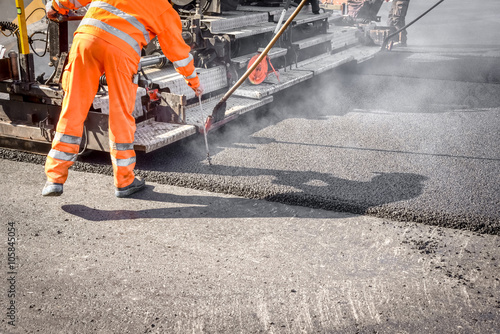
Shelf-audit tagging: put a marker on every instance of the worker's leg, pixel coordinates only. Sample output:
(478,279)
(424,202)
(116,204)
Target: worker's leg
(390,17)
(315,6)
(120,70)
(397,16)
(80,83)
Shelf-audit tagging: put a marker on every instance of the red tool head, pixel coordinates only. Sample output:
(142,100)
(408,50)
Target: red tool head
(260,73)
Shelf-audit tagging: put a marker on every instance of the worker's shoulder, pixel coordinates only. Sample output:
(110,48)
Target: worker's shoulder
(152,16)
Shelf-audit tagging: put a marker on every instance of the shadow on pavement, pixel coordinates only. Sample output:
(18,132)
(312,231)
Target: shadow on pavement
(306,189)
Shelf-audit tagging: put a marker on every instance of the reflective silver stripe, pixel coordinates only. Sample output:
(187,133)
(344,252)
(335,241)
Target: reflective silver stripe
(67,138)
(131,19)
(122,162)
(112,30)
(61,6)
(121,146)
(76,3)
(55,154)
(183,62)
(193,75)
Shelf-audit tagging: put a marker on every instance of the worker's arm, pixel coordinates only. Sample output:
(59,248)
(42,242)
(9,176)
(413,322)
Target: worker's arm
(64,6)
(177,51)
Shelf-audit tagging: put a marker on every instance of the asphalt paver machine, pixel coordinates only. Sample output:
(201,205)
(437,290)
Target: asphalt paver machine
(224,36)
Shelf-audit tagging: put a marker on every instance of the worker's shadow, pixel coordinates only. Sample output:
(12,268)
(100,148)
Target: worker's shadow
(194,207)
(286,196)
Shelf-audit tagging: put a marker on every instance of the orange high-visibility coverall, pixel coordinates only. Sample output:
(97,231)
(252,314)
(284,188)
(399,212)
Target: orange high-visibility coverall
(109,40)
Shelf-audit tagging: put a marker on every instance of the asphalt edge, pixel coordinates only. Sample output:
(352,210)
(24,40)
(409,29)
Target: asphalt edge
(478,224)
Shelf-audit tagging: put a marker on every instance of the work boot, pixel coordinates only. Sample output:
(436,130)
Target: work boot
(52,189)
(134,187)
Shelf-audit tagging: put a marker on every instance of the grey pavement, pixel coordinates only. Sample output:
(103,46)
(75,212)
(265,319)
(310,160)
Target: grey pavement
(176,260)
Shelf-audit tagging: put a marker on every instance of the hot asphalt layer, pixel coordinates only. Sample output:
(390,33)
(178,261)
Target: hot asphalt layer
(411,135)
(409,149)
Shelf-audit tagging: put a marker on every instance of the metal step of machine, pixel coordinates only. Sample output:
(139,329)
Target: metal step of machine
(341,46)
(166,109)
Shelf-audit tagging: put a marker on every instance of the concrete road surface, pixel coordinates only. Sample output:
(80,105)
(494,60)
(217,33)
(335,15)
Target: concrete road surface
(174,260)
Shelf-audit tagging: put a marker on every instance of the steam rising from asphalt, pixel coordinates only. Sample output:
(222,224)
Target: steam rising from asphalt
(428,78)
(379,86)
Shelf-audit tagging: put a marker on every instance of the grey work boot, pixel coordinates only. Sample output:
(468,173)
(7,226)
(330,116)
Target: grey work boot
(52,189)
(134,187)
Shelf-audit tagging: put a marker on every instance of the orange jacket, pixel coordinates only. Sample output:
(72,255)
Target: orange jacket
(131,24)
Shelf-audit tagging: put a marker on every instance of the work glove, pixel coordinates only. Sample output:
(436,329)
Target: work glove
(51,12)
(199,90)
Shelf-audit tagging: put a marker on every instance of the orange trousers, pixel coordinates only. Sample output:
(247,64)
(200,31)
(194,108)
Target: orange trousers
(88,59)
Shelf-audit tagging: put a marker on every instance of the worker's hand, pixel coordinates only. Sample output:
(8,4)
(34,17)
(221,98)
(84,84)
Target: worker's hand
(51,12)
(198,91)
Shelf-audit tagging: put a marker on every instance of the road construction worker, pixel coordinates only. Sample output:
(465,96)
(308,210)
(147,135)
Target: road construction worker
(396,18)
(109,40)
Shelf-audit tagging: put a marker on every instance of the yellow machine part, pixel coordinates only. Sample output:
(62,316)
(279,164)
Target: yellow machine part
(23,23)
(23,32)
